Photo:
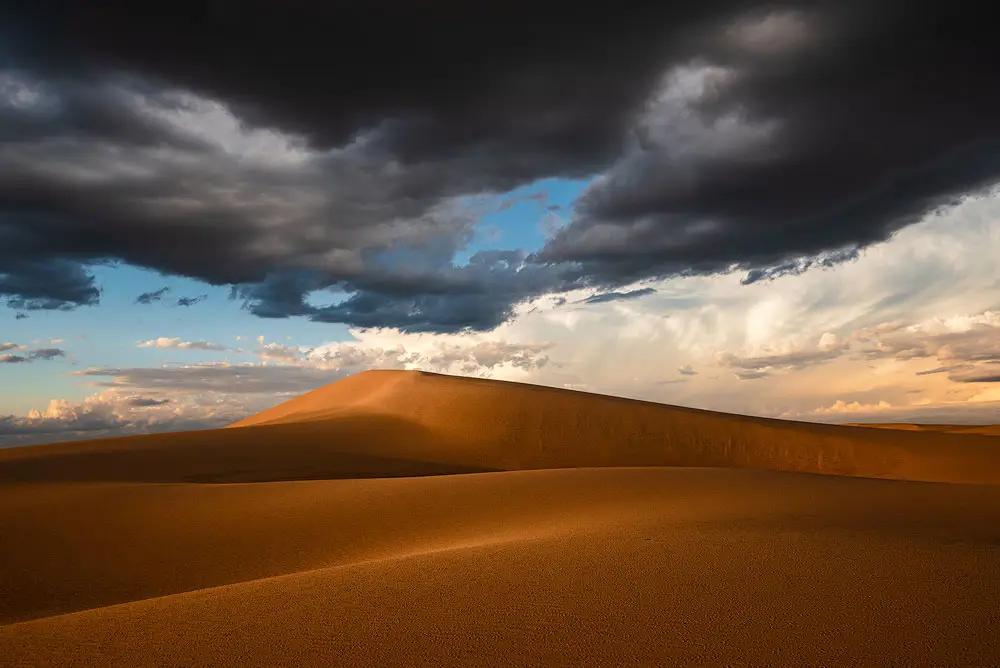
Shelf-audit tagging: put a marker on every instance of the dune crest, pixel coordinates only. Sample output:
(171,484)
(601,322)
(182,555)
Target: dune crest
(505,425)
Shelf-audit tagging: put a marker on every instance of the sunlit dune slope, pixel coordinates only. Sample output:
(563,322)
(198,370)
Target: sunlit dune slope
(393,423)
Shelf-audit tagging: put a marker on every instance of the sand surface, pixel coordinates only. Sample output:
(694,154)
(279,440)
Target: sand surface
(399,518)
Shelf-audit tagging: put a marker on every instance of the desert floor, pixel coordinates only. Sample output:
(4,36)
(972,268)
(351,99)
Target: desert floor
(402,518)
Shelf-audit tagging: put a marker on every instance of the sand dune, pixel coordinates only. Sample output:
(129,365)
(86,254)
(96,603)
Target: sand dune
(400,518)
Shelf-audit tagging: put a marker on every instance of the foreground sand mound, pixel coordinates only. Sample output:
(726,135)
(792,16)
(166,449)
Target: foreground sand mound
(585,567)
(400,423)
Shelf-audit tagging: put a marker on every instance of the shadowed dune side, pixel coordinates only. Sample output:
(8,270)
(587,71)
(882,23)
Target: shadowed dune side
(391,423)
(353,446)
(597,567)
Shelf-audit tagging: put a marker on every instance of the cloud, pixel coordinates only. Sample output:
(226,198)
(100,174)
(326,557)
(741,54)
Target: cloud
(686,370)
(777,160)
(146,402)
(965,346)
(840,407)
(220,377)
(191,301)
(47,353)
(175,343)
(798,359)
(276,352)
(957,413)
(118,412)
(152,297)
(618,296)
(724,137)
(31,356)
(43,284)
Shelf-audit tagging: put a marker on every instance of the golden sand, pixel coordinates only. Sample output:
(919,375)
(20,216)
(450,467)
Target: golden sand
(403,518)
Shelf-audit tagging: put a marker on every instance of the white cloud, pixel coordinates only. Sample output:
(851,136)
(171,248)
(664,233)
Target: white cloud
(175,343)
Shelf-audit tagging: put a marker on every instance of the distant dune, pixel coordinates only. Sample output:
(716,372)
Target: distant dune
(981,429)
(403,518)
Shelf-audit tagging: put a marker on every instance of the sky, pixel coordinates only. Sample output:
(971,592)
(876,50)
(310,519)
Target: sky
(788,209)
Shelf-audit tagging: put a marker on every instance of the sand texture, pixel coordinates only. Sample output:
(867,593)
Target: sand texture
(403,518)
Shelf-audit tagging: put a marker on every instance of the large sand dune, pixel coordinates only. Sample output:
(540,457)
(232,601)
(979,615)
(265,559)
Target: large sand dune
(401,518)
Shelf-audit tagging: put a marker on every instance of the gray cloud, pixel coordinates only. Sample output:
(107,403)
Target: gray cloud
(617,296)
(31,356)
(145,402)
(799,359)
(222,378)
(47,353)
(191,301)
(152,297)
(751,375)
(967,350)
(772,138)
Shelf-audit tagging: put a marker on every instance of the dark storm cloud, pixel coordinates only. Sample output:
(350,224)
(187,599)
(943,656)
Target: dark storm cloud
(771,137)
(440,298)
(37,284)
(152,297)
(867,118)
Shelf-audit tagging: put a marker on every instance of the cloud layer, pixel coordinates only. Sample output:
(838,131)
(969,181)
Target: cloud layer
(248,145)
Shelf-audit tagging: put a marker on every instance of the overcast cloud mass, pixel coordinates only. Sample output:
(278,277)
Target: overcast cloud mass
(334,163)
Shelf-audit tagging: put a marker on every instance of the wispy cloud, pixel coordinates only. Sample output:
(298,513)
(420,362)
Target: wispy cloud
(176,343)
(152,297)
(191,301)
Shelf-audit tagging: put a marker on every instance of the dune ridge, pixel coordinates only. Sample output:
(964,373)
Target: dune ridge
(405,518)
